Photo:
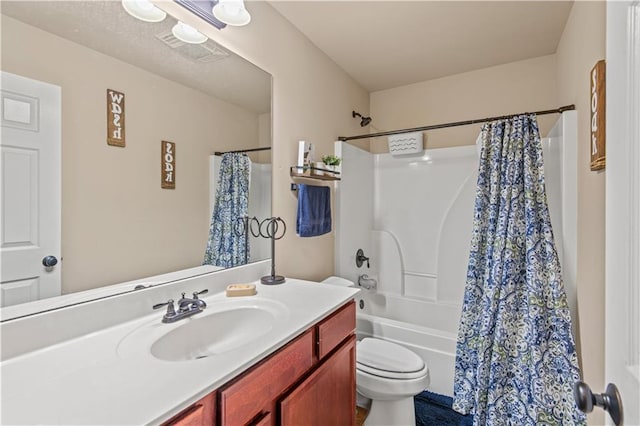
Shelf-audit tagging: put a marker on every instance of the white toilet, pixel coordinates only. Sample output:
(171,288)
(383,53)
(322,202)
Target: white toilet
(390,375)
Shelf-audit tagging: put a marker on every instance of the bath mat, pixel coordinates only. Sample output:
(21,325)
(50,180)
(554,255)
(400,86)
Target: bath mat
(433,409)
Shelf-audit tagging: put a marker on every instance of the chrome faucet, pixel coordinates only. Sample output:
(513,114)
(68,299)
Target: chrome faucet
(368,283)
(186,304)
(186,307)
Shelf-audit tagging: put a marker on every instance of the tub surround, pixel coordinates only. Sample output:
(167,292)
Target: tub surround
(83,377)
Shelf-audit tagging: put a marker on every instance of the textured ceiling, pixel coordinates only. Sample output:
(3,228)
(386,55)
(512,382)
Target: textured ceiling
(104,26)
(386,44)
(381,44)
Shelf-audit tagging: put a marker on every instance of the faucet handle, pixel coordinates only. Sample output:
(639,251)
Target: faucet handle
(361,258)
(197,293)
(171,310)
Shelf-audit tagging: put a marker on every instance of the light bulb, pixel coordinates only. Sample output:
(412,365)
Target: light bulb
(231,12)
(143,10)
(188,34)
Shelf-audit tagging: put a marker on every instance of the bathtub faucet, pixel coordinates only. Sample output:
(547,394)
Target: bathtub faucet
(365,282)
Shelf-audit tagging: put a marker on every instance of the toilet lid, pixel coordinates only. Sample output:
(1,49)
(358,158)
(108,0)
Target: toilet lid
(387,359)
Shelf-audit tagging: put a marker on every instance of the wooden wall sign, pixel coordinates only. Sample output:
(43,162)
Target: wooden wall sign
(115,118)
(168,165)
(598,116)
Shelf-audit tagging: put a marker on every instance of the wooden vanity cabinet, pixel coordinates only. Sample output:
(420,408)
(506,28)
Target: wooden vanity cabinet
(310,381)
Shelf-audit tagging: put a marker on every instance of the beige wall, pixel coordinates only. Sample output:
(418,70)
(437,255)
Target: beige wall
(581,46)
(522,86)
(312,100)
(118,224)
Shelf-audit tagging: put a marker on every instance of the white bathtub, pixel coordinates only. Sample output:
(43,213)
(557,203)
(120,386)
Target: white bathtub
(436,347)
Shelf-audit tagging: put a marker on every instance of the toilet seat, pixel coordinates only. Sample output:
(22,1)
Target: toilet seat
(389,360)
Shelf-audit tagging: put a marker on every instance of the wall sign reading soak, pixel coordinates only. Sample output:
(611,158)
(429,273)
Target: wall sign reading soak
(115,118)
(598,157)
(168,164)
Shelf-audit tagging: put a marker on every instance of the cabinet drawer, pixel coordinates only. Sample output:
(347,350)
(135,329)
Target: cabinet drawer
(202,413)
(256,390)
(265,420)
(336,328)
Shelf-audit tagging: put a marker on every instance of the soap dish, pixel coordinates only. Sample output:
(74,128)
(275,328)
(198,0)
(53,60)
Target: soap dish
(234,290)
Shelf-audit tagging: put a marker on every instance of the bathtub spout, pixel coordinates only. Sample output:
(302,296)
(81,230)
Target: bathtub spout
(368,283)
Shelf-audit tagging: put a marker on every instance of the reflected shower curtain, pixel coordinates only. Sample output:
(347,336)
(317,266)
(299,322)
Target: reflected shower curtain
(227,245)
(516,361)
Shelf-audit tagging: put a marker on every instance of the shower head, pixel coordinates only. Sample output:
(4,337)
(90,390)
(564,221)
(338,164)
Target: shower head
(364,121)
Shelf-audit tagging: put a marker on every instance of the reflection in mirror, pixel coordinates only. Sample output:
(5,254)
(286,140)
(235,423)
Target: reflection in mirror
(118,224)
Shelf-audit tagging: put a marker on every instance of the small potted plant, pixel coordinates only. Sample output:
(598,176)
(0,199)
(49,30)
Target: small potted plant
(331,162)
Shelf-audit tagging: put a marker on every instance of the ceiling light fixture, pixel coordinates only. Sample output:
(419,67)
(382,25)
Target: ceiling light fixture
(188,34)
(231,12)
(143,10)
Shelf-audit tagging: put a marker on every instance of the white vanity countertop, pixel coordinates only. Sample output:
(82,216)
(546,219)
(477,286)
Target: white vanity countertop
(93,380)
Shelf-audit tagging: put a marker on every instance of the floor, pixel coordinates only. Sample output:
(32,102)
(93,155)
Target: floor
(361,414)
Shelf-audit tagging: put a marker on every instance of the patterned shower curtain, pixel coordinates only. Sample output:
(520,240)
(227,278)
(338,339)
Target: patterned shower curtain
(227,245)
(516,361)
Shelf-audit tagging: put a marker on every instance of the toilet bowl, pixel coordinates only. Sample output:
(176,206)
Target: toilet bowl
(388,374)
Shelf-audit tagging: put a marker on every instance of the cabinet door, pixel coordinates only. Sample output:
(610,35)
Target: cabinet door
(327,396)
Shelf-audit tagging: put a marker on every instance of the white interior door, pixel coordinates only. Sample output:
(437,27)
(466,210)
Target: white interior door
(30,190)
(623,205)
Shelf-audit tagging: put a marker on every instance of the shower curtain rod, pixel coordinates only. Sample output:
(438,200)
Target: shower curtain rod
(242,150)
(454,124)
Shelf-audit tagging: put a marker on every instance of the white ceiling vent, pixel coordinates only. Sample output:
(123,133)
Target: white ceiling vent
(204,52)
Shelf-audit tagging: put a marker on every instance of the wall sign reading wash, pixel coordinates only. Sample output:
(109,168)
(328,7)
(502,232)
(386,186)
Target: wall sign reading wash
(598,157)
(115,118)
(168,165)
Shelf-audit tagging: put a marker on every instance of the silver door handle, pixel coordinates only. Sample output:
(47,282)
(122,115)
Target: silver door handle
(610,401)
(49,261)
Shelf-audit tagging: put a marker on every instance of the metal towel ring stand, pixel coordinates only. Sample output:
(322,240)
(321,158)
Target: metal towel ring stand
(269,228)
(241,228)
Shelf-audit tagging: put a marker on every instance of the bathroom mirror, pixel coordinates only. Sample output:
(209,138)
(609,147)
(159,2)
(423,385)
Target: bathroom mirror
(118,223)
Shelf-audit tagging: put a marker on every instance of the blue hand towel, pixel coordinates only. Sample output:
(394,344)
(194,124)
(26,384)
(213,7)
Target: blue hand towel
(314,210)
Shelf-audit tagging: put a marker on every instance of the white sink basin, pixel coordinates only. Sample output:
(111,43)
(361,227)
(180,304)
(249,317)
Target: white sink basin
(225,326)
(213,334)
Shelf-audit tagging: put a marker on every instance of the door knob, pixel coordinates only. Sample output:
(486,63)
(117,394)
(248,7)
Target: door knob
(49,261)
(610,401)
